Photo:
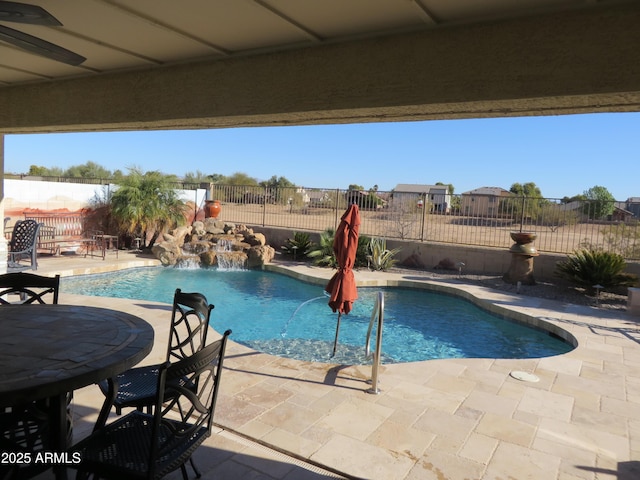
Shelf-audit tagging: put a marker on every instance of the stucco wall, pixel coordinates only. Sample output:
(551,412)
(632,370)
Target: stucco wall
(21,195)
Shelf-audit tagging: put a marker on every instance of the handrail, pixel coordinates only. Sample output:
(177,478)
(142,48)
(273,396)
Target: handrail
(378,310)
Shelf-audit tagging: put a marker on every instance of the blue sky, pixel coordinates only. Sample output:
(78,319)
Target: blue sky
(562,155)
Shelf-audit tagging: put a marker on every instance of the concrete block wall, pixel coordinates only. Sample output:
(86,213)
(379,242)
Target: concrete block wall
(477,260)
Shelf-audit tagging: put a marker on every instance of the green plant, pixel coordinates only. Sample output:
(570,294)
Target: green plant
(362,252)
(300,244)
(381,257)
(322,254)
(146,205)
(588,268)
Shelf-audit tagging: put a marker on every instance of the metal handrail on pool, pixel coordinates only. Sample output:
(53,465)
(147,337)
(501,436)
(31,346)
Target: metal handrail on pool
(378,310)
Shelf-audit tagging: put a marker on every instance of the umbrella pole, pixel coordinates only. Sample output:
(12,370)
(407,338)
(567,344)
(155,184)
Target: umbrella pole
(335,342)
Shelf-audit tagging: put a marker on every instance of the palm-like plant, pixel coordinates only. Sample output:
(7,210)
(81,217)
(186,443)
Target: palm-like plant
(322,254)
(300,244)
(146,204)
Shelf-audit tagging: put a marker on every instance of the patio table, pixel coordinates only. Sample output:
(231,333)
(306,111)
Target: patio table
(49,350)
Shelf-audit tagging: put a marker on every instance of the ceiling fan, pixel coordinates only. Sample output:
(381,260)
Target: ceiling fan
(33,15)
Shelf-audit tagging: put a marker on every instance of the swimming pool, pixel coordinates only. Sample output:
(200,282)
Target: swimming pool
(279,315)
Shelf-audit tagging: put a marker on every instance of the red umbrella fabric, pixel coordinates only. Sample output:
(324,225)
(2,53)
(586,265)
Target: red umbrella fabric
(342,286)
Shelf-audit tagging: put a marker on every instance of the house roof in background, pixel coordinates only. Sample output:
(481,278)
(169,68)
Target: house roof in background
(495,191)
(418,188)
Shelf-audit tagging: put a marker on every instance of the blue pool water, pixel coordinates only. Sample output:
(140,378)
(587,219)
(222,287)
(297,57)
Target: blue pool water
(282,316)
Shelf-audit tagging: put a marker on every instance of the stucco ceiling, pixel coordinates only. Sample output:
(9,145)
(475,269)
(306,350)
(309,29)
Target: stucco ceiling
(124,35)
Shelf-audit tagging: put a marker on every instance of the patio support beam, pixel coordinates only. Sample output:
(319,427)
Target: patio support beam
(574,62)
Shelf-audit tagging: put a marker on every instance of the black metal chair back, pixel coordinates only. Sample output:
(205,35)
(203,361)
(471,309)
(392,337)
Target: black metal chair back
(142,445)
(23,244)
(189,325)
(29,287)
(136,388)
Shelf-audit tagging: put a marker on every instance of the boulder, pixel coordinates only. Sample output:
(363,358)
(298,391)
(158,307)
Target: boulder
(167,252)
(208,258)
(259,255)
(255,239)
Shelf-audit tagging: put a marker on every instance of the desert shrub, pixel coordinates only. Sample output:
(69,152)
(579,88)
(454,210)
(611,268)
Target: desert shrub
(587,268)
(623,238)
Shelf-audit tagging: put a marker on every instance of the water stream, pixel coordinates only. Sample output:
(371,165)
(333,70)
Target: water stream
(283,333)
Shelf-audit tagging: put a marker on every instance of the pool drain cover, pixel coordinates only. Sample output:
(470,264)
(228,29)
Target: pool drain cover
(525,376)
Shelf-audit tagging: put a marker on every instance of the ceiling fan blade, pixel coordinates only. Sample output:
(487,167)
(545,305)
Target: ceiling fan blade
(39,46)
(25,13)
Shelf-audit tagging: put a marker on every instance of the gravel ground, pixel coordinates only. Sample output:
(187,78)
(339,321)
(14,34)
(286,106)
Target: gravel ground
(552,291)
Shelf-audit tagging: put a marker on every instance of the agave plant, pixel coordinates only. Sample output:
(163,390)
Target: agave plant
(588,268)
(381,257)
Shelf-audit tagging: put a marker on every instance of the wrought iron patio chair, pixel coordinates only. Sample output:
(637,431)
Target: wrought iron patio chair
(25,427)
(23,245)
(149,446)
(136,387)
(28,288)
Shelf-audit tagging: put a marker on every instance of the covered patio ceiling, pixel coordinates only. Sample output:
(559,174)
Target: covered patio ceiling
(160,64)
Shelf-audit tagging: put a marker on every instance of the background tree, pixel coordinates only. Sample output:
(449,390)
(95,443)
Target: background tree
(146,205)
(39,171)
(117,177)
(575,198)
(200,177)
(241,179)
(456,202)
(526,203)
(450,185)
(88,170)
(217,178)
(528,189)
(279,189)
(235,195)
(599,202)
(196,177)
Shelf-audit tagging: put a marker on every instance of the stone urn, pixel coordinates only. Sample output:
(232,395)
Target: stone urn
(522,253)
(212,208)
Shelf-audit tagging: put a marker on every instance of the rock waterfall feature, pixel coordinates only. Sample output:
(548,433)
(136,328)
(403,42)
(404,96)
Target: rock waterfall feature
(214,243)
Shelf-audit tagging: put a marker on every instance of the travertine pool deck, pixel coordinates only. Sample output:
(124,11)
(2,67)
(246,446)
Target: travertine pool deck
(439,419)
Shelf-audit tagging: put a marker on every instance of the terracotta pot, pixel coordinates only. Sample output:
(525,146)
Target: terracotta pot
(523,237)
(212,208)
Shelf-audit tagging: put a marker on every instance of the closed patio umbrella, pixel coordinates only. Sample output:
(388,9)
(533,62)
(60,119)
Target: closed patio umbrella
(342,286)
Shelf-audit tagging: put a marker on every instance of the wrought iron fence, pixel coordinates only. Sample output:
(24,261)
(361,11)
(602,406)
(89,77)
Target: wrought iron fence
(466,219)
(479,220)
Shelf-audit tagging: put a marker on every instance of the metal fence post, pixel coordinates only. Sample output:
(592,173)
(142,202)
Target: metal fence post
(264,207)
(423,220)
(522,213)
(335,225)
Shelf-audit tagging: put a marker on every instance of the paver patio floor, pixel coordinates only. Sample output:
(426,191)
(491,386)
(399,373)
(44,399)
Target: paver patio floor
(442,419)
